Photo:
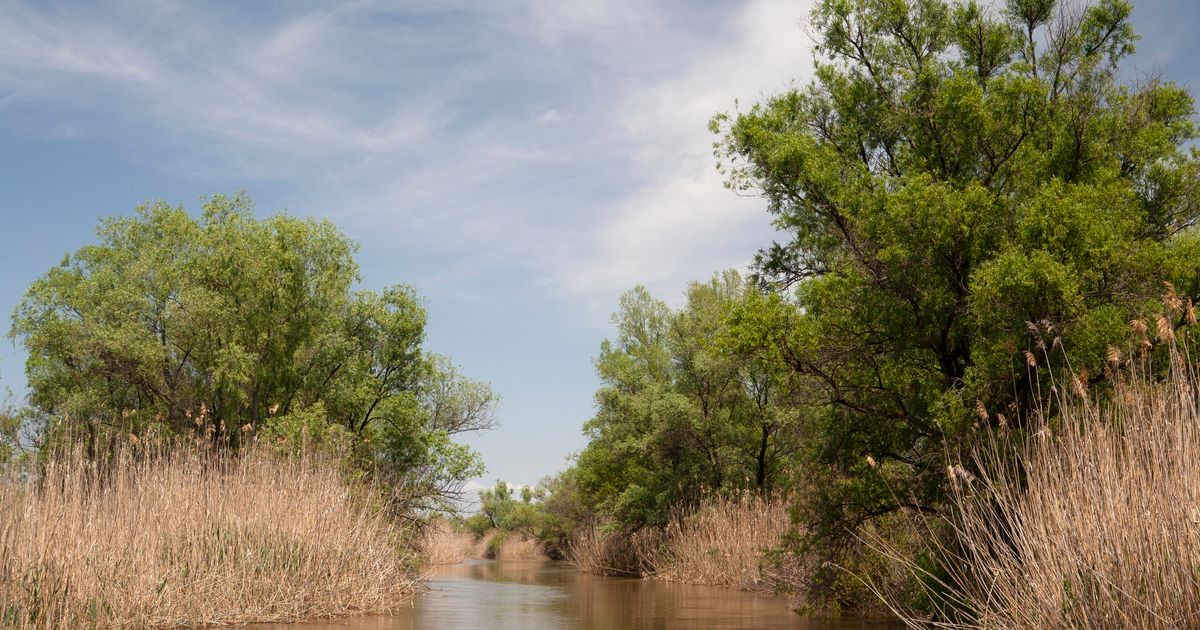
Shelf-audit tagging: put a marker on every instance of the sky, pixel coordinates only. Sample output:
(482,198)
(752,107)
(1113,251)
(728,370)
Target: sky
(521,162)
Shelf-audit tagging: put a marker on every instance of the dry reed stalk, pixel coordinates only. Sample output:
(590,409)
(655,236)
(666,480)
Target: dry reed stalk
(723,541)
(1097,525)
(593,550)
(501,545)
(483,544)
(519,547)
(441,543)
(193,539)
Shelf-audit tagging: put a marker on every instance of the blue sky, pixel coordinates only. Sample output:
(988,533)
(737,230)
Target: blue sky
(522,162)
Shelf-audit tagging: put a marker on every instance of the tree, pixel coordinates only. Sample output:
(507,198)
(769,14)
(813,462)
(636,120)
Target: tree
(963,188)
(226,326)
(679,413)
(504,512)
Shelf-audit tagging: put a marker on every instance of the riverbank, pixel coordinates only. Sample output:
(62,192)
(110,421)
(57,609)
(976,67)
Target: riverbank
(193,539)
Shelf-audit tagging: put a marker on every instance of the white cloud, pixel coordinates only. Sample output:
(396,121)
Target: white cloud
(38,44)
(683,224)
(263,93)
(429,140)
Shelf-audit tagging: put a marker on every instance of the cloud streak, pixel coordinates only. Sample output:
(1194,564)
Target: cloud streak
(563,142)
(681,224)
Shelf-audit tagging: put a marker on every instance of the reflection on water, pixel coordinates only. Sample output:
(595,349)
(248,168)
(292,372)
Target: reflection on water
(532,595)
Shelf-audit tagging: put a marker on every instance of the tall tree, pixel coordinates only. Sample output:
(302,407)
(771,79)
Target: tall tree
(679,413)
(223,324)
(963,187)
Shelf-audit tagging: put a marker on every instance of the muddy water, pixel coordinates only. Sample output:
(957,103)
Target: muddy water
(535,595)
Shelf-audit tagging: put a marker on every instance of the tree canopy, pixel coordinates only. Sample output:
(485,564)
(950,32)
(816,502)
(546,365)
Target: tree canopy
(680,412)
(962,187)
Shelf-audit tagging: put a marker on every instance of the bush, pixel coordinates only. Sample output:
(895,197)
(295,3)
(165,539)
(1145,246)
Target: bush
(305,430)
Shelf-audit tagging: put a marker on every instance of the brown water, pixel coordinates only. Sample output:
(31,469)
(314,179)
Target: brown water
(536,595)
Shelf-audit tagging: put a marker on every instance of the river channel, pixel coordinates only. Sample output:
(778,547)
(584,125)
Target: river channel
(537,595)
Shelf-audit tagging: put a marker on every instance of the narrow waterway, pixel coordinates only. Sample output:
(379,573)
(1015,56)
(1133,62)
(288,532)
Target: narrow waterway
(536,595)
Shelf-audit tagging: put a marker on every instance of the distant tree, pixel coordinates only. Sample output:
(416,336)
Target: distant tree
(507,512)
(964,187)
(228,325)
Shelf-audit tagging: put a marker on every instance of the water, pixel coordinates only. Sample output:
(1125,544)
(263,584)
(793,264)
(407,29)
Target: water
(537,595)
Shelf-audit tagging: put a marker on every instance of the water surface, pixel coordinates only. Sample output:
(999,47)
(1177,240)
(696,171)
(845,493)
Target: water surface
(536,595)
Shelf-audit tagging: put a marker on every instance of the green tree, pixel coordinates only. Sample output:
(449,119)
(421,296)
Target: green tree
(680,412)
(228,326)
(14,424)
(962,187)
(563,511)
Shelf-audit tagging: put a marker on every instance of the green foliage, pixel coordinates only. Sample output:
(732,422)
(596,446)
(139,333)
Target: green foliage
(305,430)
(11,422)
(563,511)
(532,513)
(960,186)
(501,509)
(680,410)
(233,328)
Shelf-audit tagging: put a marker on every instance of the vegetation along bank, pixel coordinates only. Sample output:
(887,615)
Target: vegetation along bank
(986,270)
(960,389)
(221,430)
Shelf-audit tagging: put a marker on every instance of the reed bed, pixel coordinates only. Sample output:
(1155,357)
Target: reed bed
(724,541)
(514,547)
(1095,525)
(600,552)
(193,539)
(442,543)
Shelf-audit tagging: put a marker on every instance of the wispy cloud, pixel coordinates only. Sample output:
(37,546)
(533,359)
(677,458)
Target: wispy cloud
(268,89)
(681,224)
(563,142)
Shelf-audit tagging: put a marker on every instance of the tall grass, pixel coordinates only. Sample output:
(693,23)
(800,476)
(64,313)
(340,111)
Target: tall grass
(443,543)
(598,551)
(192,539)
(501,545)
(723,541)
(1095,524)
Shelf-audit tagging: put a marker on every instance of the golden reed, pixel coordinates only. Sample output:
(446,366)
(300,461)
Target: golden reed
(723,541)
(1093,523)
(192,539)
